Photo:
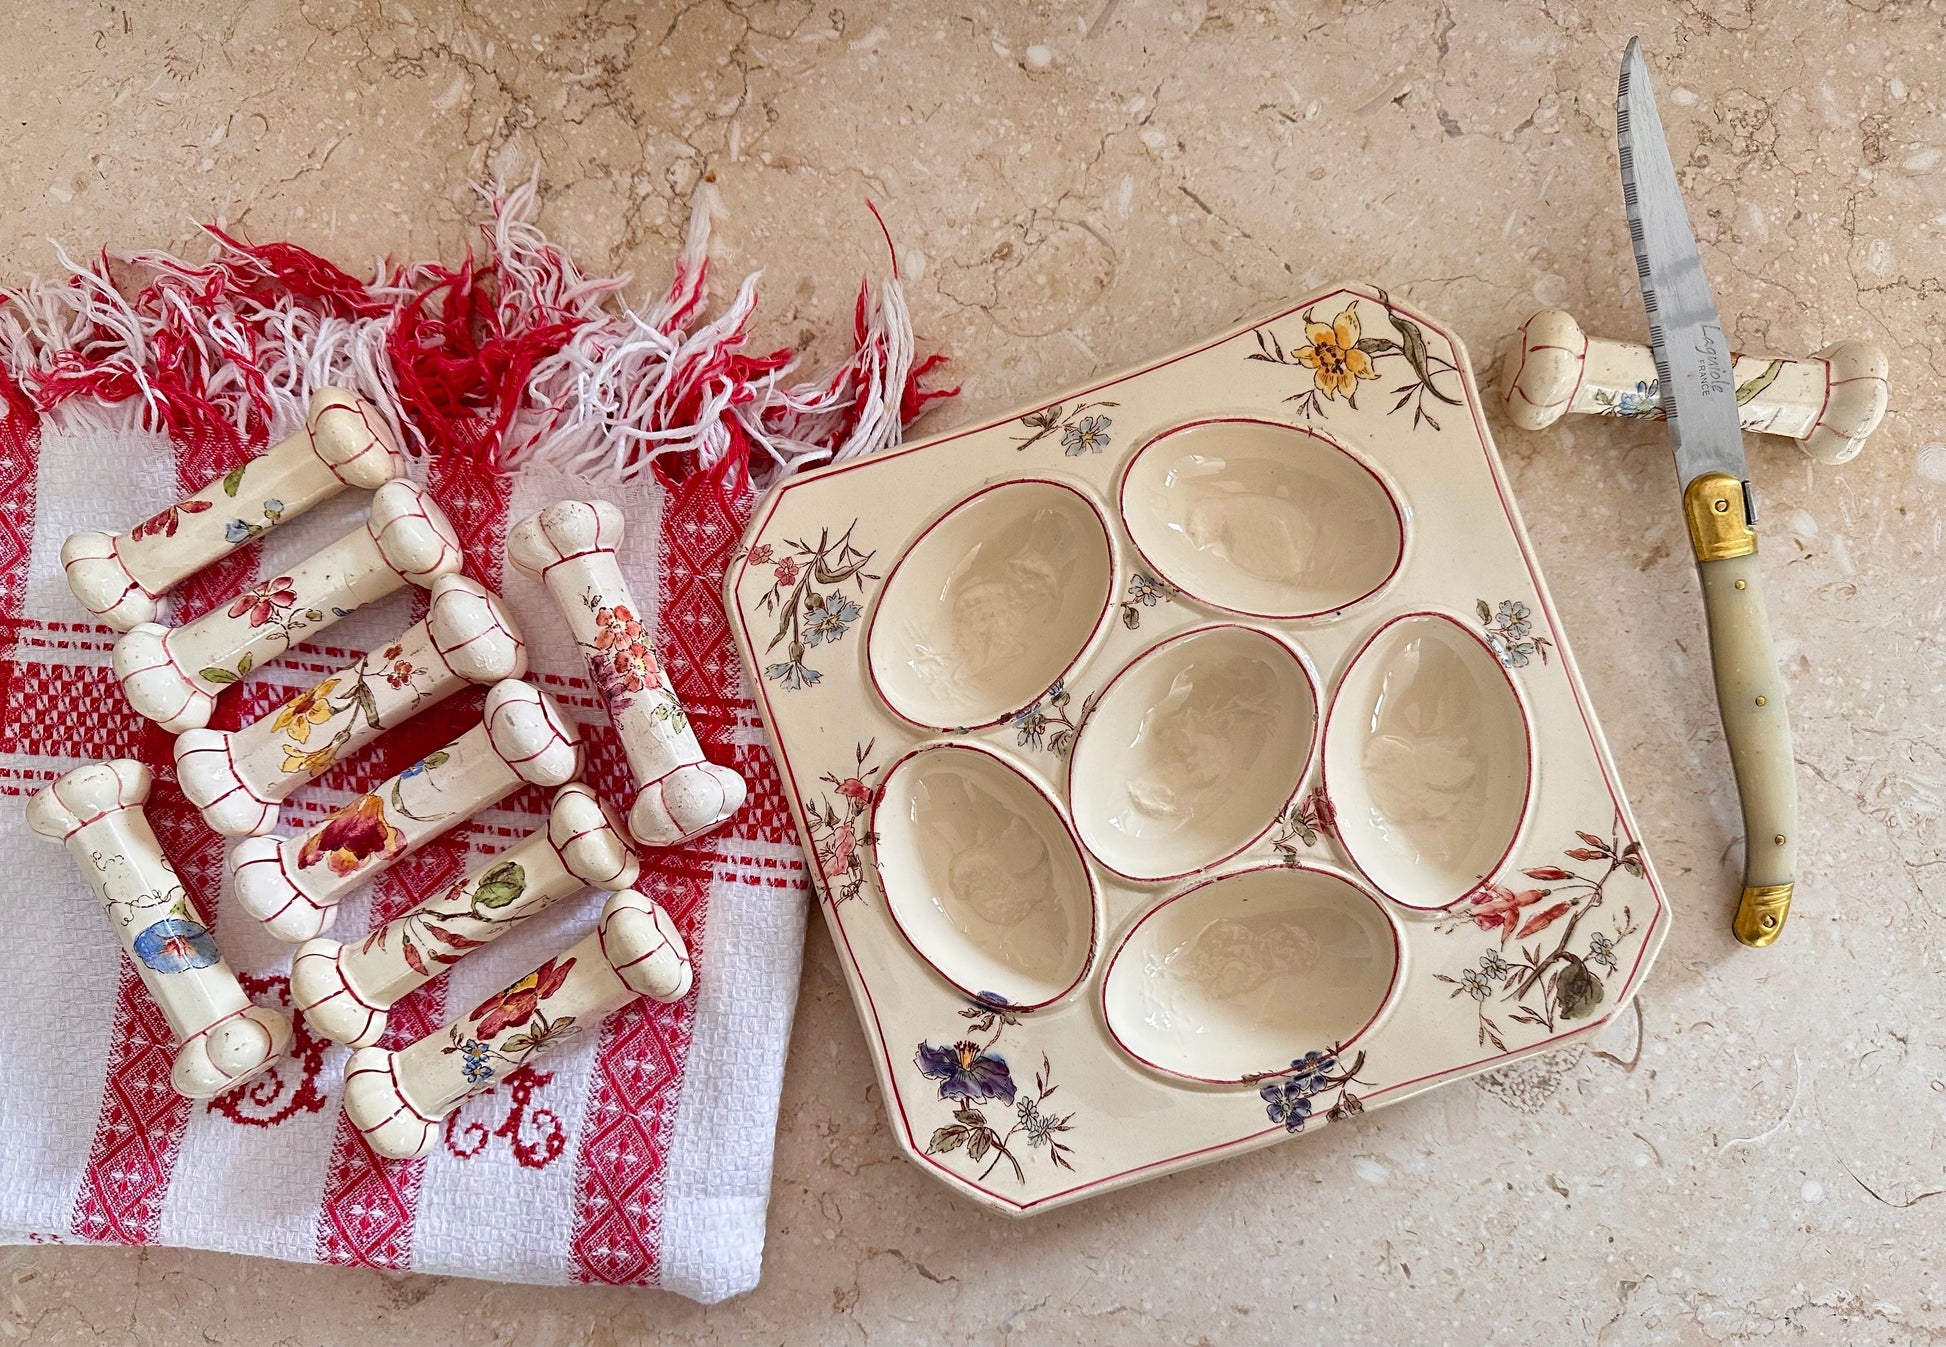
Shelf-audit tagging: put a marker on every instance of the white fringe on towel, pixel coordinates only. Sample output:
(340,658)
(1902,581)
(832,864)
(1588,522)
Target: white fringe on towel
(605,405)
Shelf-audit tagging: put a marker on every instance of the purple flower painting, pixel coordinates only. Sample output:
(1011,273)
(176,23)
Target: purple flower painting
(966,1073)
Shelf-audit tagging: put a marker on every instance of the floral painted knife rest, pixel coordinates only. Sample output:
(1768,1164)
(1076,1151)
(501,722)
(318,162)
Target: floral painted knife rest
(1192,760)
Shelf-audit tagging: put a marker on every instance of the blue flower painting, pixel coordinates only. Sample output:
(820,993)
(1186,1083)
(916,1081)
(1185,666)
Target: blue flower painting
(793,674)
(176,945)
(827,617)
(240,531)
(1047,724)
(473,1060)
(966,1073)
(808,618)
(1645,400)
(1290,1098)
(1078,433)
(1144,591)
(1510,633)
(972,1077)
(1088,435)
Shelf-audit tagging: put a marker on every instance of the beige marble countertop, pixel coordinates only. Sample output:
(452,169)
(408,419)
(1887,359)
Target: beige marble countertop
(1759,1155)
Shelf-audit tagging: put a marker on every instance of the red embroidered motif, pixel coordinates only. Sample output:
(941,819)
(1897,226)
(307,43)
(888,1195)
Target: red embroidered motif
(140,1126)
(637,1080)
(466,1137)
(20,452)
(366,1213)
(139,1129)
(290,1087)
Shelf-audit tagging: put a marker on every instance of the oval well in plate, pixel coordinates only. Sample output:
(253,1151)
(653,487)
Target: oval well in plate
(1192,751)
(1261,518)
(1239,977)
(983,877)
(991,605)
(1427,760)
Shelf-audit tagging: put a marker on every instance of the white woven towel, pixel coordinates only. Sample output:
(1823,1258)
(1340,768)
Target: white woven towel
(640,1155)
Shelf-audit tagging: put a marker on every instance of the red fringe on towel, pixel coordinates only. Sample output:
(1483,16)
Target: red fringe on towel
(511,356)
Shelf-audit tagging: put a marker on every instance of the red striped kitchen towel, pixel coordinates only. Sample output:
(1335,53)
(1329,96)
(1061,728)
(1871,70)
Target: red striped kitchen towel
(641,1157)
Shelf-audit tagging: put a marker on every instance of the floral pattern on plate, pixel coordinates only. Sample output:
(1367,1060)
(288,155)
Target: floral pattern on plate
(1048,724)
(1544,987)
(1306,822)
(979,1084)
(1144,591)
(1339,357)
(808,594)
(1082,427)
(1510,633)
(1291,1098)
(837,828)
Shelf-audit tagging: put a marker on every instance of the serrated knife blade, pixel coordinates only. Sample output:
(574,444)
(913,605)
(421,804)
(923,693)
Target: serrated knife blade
(1693,364)
(1692,357)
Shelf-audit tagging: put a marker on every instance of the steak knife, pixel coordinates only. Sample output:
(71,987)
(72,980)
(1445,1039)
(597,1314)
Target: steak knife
(1693,362)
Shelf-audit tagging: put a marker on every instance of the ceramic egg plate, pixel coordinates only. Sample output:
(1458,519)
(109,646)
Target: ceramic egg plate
(1193,760)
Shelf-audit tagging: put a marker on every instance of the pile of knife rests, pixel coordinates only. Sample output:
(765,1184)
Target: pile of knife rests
(292,884)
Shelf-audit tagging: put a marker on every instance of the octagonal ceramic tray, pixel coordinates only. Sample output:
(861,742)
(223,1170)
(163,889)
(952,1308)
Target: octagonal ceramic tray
(1192,760)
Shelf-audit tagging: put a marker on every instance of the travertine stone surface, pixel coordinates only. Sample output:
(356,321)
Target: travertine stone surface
(1078,185)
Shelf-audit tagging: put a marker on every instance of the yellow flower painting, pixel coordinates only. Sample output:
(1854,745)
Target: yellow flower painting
(304,710)
(1339,356)
(1334,355)
(311,763)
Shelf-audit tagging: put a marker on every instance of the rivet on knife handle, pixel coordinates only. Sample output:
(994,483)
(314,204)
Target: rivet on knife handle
(1761,914)
(1719,526)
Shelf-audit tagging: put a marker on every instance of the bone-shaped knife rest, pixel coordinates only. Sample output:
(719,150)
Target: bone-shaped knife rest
(120,577)
(293,884)
(347,990)
(172,675)
(239,778)
(570,546)
(222,1038)
(397,1100)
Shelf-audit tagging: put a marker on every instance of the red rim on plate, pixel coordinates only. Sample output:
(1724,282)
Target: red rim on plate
(1313,749)
(1386,1002)
(1100,518)
(1378,479)
(1527,749)
(984,994)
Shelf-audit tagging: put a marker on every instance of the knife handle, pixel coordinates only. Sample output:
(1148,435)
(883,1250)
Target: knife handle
(1750,697)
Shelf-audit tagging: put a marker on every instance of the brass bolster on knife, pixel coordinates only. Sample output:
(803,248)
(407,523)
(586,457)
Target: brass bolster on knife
(1760,916)
(1718,527)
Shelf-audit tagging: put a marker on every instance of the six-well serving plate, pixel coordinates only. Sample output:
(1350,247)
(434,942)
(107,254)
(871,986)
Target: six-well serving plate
(1192,759)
